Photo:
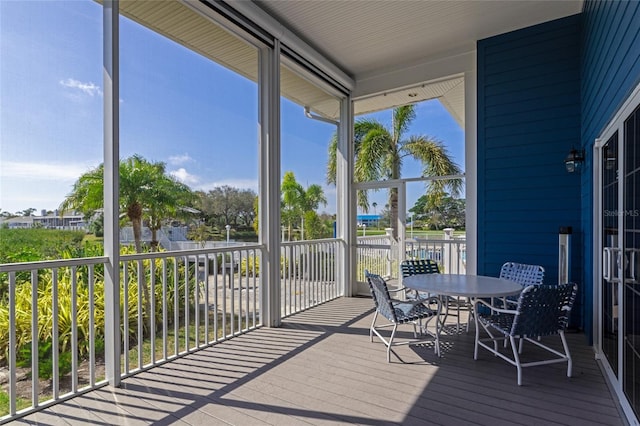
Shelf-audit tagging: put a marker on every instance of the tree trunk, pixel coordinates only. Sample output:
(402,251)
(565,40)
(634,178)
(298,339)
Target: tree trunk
(154,239)
(393,210)
(134,212)
(393,192)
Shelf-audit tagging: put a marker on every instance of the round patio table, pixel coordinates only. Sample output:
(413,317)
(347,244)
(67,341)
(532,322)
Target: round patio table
(454,285)
(472,286)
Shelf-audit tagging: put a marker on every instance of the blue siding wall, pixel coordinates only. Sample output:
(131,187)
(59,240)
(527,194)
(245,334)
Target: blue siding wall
(610,71)
(528,121)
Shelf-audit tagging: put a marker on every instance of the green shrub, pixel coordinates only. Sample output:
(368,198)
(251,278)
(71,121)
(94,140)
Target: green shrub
(284,266)
(45,359)
(25,245)
(250,266)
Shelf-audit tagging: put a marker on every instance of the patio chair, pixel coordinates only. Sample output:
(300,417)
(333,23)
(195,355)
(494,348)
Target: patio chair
(414,267)
(522,273)
(542,310)
(428,266)
(401,312)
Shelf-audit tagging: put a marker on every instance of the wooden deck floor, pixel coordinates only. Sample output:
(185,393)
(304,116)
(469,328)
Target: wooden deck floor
(321,369)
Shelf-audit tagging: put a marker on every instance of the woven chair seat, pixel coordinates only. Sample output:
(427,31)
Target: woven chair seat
(409,312)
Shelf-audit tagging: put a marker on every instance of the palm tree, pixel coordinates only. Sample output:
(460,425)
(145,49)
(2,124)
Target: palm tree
(379,153)
(145,190)
(296,201)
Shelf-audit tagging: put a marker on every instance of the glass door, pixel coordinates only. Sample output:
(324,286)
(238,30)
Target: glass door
(618,291)
(631,267)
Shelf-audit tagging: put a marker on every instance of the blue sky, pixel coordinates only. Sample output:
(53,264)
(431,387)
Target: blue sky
(177,107)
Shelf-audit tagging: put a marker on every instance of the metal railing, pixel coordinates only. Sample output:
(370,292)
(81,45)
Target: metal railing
(378,254)
(171,303)
(308,274)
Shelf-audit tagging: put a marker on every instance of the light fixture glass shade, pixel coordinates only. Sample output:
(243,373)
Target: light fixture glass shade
(574,160)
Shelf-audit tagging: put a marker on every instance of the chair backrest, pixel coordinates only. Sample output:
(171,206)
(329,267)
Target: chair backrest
(418,266)
(522,273)
(544,309)
(381,297)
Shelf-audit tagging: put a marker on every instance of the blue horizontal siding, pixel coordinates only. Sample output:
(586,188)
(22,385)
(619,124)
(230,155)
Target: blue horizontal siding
(610,69)
(529,118)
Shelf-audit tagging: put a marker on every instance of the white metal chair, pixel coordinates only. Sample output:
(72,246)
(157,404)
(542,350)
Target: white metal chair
(401,312)
(542,310)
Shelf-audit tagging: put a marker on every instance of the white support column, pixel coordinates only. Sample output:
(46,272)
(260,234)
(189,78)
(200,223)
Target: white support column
(471,170)
(111,146)
(269,197)
(346,226)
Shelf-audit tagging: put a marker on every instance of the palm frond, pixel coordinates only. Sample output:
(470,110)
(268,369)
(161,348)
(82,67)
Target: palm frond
(436,161)
(402,118)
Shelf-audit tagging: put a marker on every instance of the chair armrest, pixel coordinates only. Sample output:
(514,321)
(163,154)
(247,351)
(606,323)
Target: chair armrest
(496,309)
(429,300)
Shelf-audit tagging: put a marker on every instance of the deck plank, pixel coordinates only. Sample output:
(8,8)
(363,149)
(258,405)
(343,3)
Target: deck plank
(320,368)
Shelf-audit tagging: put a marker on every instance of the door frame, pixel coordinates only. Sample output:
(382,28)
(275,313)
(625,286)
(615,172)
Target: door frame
(616,124)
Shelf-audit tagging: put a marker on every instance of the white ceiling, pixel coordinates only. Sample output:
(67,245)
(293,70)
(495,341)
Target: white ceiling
(395,51)
(372,40)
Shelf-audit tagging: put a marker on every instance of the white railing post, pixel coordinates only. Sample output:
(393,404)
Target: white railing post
(392,243)
(447,260)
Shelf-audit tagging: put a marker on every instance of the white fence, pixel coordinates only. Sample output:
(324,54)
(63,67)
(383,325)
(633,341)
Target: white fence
(172,303)
(379,254)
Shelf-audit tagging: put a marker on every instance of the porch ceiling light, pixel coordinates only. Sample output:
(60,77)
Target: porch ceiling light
(574,160)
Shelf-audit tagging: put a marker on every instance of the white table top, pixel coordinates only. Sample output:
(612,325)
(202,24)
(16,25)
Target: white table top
(462,285)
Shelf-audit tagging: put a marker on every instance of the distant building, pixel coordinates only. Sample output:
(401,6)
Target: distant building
(370,220)
(71,221)
(17,222)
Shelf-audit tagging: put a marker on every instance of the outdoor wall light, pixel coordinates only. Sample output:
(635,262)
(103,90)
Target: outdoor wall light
(574,160)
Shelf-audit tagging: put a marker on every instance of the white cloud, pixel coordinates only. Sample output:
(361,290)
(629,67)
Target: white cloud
(38,185)
(90,88)
(185,177)
(42,171)
(178,160)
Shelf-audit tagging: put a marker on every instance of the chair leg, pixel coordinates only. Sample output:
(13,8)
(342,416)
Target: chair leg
(372,325)
(393,332)
(566,351)
(516,358)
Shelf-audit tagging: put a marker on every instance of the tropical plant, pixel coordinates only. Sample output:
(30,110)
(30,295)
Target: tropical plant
(250,266)
(379,154)
(145,191)
(297,201)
